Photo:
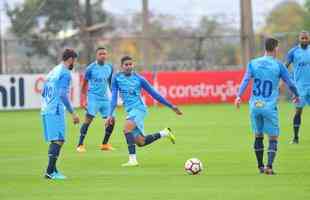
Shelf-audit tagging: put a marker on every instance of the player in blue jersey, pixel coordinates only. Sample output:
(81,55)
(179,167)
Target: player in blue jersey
(129,86)
(54,99)
(98,78)
(266,72)
(299,56)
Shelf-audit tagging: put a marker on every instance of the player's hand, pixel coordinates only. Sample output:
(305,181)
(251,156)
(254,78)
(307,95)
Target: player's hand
(177,110)
(237,102)
(84,105)
(75,118)
(110,120)
(295,100)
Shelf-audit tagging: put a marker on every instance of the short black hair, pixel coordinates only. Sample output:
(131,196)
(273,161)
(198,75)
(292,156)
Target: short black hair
(68,53)
(304,32)
(100,48)
(125,58)
(271,44)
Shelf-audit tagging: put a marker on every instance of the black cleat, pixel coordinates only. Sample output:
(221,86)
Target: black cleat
(261,169)
(295,141)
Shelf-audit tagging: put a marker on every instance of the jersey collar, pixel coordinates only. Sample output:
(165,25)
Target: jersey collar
(99,64)
(64,66)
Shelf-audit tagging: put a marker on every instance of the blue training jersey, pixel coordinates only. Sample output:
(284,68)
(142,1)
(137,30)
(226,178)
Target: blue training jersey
(300,58)
(55,91)
(129,88)
(266,73)
(99,79)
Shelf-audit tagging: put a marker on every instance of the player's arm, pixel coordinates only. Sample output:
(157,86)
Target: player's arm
(289,58)
(114,91)
(64,93)
(110,78)
(244,84)
(150,89)
(284,74)
(87,77)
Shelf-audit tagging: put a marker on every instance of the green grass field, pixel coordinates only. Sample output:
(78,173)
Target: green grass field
(219,135)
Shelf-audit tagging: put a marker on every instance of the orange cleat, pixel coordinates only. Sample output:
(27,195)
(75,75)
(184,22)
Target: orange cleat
(106,147)
(81,149)
(269,171)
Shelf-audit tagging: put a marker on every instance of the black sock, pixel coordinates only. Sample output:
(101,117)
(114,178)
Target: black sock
(131,143)
(272,150)
(151,138)
(297,122)
(259,150)
(108,132)
(53,153)
(83,132)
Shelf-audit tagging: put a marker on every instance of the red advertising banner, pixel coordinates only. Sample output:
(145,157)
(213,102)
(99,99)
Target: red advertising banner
(194,87)
(197,87)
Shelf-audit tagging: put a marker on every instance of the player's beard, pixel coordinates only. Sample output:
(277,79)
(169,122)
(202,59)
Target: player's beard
(100,62)
(71,67)
(304,46)
(128,72)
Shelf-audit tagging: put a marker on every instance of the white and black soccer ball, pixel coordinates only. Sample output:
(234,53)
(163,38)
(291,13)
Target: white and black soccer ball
(193,166)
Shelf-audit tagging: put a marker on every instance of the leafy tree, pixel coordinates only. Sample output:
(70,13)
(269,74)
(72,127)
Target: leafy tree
(38,23)
(287,16)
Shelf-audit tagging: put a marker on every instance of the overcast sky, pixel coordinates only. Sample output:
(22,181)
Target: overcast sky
(185,10)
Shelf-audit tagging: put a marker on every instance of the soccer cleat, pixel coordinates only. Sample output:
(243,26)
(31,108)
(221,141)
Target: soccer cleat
(131,163)
(269,171)
(295,141)
(170,135)
(60,175)
(55,176)
(261,169)
(81,148)
(106,147)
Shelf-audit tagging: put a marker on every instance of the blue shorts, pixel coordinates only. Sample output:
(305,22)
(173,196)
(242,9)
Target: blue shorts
(265,120)
(54,127)
(95,106)
(137,116)
(304,96)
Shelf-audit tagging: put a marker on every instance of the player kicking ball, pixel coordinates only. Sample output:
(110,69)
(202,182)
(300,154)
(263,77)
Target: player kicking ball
(266,71)
(129,84)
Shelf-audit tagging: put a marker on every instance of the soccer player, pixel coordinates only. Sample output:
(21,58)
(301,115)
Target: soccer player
(300,57)
(54,99)
(266,71)
(98,78)
(129,85)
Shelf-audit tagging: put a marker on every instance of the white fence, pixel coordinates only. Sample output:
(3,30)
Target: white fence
(23,91)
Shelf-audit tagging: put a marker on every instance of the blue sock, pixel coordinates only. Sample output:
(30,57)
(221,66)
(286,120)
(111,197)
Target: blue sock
(108,132)
(83,132)
(151,138)
(131,143)
(259,150)
(297,122)
(272,152)
(53,153)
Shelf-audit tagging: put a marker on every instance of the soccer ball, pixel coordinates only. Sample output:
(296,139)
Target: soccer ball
(193,166)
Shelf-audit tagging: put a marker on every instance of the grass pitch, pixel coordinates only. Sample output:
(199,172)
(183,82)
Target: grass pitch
(219,135)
